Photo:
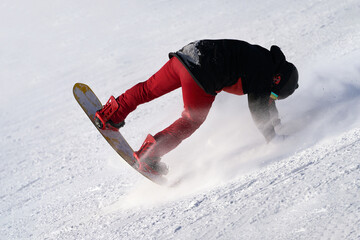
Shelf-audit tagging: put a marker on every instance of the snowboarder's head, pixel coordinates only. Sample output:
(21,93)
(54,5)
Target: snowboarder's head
(285,81)
(286,76)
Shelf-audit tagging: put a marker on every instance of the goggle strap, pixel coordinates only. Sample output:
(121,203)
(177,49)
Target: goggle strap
(273,96)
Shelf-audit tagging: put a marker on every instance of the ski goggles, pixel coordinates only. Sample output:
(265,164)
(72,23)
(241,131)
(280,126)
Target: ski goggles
(274,96)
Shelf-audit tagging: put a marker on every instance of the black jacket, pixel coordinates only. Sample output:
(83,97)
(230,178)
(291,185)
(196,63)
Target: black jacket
(215,64)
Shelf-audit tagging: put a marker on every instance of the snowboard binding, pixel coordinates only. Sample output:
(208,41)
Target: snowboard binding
(102,117)
(148,162)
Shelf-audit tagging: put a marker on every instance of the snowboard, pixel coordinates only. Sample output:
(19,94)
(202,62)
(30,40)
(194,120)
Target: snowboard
(90,104)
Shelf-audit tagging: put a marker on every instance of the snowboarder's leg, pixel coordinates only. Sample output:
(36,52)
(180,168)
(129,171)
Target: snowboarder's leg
(162,82)
(197,104)
(113,114)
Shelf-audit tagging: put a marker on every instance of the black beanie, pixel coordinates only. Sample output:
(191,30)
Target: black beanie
(289,77)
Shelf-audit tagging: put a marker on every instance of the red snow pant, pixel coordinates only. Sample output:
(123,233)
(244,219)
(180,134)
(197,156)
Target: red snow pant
(171,76)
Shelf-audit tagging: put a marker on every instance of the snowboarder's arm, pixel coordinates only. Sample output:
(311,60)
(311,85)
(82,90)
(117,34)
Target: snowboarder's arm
(274,114)
(263,113)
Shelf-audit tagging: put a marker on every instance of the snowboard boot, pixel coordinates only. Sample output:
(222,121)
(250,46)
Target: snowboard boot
(103,116)
(147,160)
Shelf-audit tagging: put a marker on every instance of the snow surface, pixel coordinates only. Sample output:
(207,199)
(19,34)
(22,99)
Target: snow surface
(60,180)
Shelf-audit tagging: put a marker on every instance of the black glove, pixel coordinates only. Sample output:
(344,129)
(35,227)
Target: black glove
(279,138)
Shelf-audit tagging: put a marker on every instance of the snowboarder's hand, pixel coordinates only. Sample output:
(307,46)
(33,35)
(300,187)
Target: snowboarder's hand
(278,128)
(279,138)
(277,125)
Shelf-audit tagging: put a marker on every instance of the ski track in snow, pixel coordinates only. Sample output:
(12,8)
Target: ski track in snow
(60,179)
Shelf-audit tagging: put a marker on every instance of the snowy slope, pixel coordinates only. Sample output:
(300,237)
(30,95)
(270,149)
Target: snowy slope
(60,180)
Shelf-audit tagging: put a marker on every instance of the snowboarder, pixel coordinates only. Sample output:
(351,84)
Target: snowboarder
(202,69)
